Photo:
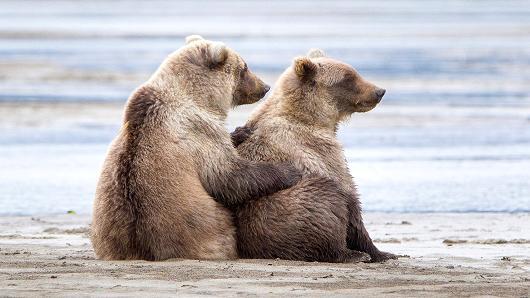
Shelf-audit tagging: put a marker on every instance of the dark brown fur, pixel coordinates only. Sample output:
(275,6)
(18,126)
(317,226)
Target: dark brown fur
(293,225)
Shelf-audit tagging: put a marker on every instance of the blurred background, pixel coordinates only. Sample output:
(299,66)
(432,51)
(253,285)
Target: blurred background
(452,133)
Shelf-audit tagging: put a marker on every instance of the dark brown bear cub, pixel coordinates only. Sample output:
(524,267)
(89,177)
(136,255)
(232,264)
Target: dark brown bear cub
(298,124)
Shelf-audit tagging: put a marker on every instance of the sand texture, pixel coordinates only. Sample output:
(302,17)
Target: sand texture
(447,255)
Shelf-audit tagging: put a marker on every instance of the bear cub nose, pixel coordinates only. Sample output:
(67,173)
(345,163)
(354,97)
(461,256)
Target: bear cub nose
(380,92)
(266,89)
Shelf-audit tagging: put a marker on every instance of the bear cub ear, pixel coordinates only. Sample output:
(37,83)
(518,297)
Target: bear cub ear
(217,54)
(304,68)
(315,53)
(193,38)
(214,53)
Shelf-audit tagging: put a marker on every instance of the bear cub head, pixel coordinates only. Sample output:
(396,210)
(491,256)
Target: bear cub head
(222,70)
(334,86)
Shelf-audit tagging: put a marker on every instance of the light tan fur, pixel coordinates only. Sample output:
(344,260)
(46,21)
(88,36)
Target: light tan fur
(172,159)
(299,122)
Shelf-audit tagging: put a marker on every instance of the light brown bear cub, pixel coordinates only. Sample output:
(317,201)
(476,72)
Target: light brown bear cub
(173,156)
(298,124)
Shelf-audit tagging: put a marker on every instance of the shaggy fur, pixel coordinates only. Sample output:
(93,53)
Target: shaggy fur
(173,156)
(298,124)
(307,222)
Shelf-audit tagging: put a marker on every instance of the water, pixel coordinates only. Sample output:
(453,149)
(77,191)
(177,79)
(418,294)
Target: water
(452,134)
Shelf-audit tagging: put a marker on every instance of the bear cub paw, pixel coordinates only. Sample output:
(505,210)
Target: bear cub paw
(240,135)
(382,256)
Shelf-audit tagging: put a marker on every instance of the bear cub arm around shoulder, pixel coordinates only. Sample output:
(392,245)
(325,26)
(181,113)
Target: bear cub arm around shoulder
(243,180)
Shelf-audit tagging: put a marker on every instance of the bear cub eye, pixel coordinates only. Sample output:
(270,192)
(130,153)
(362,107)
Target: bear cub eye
(348,81)
(243,70)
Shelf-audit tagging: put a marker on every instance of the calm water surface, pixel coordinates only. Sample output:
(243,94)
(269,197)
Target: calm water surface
(452,134)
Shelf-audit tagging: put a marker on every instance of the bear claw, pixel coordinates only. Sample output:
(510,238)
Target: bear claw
(383,256)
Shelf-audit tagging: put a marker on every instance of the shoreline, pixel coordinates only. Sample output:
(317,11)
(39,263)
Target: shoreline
(428,159)
(449,254)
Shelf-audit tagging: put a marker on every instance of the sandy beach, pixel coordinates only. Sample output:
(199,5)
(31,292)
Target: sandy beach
(446,254)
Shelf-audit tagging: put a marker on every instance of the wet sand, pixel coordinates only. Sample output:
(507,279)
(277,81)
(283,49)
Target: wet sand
(447,254)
